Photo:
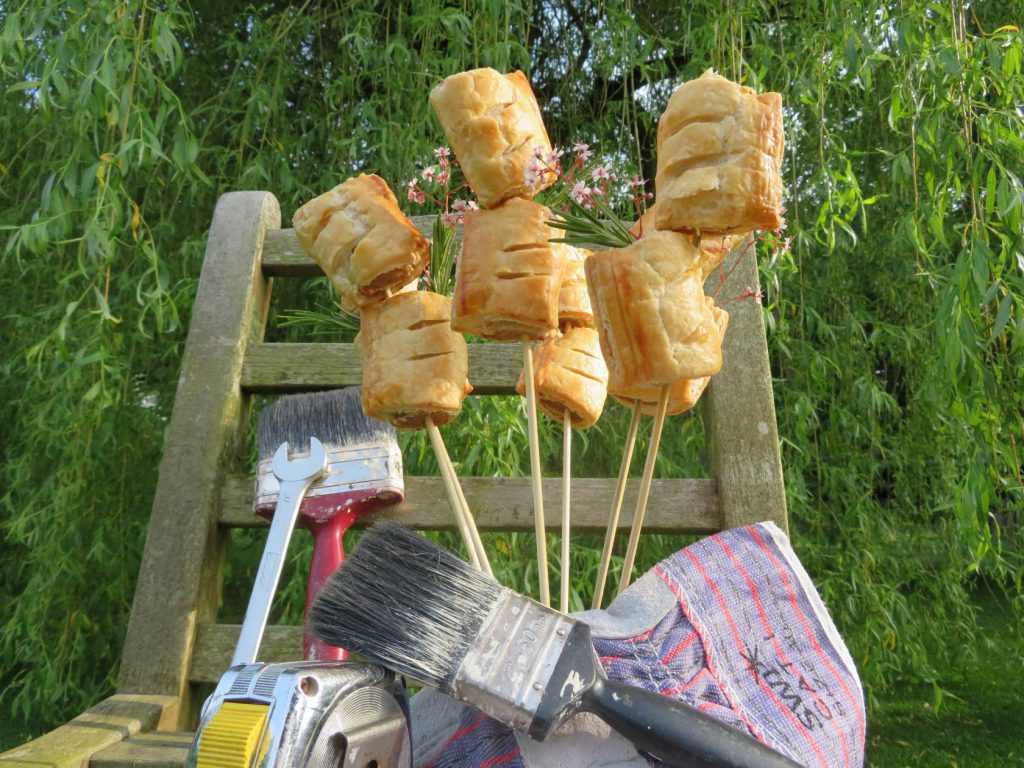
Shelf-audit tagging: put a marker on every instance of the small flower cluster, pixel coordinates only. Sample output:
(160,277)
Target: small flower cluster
(453,209)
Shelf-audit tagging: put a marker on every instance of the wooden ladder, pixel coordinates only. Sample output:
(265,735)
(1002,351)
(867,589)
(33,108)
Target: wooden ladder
(174,643)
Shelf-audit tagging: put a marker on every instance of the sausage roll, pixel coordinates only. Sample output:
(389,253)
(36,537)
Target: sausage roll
(683,394)
(720,148)
(569,372)
(713,249)
(649,305)
(362,241)
(494,124)
(509,274)
(414,365)
(573,300)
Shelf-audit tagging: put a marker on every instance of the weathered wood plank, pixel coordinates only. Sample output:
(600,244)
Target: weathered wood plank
(215,643)
(179,579)
(159,749)
(109,722)
(676,505)
(282,368)
(739,412)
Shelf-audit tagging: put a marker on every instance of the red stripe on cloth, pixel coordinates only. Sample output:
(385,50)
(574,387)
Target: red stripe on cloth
(707,655)
(683,688)
(639,638)
(464,731)
(680,647)
(755,594)
(742,649)
(610,659)
(500,759)
(857,708)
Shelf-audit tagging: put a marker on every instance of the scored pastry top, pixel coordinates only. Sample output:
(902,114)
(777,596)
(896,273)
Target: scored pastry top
(713,249)
(414,365)
(493,123)
(509,274)
(649,305)
(720,147)
(569,373)
(361,240)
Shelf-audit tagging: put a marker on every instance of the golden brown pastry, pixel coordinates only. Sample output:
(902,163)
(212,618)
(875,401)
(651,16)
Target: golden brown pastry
(720,148)
(361,240)
(509,274)
(683,394)
(654,323)
(414,365)
(569,372)
(493,123)
(573,300)
(713,249)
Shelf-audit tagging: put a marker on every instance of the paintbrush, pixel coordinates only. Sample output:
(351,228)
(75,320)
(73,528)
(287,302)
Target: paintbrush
(364,474)
(405,603)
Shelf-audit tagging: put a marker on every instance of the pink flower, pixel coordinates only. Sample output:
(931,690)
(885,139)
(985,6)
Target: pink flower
(583,151)
(449,219)
(539,152)
(601,173)
(442,178)
(637,183)
(429,173)
(581,193)
(461,206)
(533,174)
(442,153)
(416,194)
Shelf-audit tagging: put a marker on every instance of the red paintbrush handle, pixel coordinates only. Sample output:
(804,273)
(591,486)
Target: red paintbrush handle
(328,554)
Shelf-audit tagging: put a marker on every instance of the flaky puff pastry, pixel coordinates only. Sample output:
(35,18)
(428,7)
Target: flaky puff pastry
(654,323)
(574,310)
(713,250)
(361,240)
(683,394)
(569,372)
(509,274)
(493,123)
(414,365)
(720,148)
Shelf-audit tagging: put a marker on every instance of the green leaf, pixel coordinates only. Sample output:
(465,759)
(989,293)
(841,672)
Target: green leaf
(1002,316)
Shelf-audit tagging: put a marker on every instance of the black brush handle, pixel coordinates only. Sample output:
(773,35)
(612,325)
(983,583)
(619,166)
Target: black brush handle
(675,733)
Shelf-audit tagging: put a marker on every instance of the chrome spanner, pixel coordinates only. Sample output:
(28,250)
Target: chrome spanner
(295,477)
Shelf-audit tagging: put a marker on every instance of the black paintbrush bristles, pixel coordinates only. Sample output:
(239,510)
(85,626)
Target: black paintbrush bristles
(336,418)
(404,602)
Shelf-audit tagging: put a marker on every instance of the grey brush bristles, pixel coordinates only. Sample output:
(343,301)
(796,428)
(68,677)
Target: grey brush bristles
(335,418)
(402,601)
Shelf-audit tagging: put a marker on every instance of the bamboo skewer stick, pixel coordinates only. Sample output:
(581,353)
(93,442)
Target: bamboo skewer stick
(474,533)
(563,604)
(645,489)
(463,517)
(535,475)
(613,518)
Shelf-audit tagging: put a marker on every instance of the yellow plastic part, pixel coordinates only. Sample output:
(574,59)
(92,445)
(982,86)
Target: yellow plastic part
(233,736)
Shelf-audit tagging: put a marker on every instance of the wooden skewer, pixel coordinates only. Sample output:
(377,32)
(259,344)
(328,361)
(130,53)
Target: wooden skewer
(613,518)
(645,489)
(535,475)
(563,604)
(462,517)
(478,544)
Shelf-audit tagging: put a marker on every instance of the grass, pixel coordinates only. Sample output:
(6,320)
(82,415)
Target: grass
(978,724)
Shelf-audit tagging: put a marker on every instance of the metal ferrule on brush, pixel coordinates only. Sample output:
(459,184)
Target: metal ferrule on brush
(349,469)
(508,666)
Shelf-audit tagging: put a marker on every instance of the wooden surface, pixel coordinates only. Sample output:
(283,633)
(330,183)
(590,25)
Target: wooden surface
(158,749)
(109,722)
(506,504)
(283,368)
(739,412)
(216,642)
(179,579)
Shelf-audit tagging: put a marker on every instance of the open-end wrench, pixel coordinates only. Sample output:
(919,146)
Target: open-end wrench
(295,477)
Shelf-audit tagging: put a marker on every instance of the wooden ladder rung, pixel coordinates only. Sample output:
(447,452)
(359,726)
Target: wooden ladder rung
(215,644)
(676,505)
(281,368)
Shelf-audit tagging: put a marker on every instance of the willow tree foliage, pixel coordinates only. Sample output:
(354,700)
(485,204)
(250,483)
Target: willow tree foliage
(896,319)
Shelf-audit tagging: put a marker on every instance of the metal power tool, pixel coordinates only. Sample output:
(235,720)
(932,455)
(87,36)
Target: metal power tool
(301,714)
